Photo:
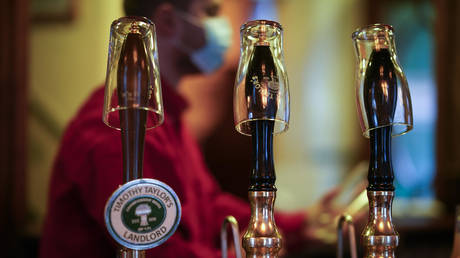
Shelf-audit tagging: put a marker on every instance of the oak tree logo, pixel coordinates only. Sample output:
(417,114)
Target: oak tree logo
(143,215)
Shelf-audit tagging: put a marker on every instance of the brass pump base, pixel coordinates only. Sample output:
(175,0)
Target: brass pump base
(262,239)
(130,253)
(379,237)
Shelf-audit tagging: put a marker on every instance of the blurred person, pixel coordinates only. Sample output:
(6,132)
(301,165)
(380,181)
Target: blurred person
(192,39)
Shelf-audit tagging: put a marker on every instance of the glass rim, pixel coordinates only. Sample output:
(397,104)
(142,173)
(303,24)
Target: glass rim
(368,32)
(240,123)
(105,116)
(408,128)
(132,19)
(260,22)
(117,28)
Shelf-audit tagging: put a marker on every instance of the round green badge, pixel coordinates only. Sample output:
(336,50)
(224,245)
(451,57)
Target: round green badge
(142,214)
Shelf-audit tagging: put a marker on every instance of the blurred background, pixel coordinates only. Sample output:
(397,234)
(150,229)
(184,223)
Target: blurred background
(54,54)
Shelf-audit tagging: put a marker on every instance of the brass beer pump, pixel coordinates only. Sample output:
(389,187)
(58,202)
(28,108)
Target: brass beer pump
(261,109)
(385,110)
(133,104)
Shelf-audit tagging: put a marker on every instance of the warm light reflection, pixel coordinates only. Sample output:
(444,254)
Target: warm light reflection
(384,86)
(377,44)
(263,227)
(135,55)
(264,93)
(381,225)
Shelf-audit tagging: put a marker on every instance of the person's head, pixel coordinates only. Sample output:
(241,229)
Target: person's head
(190,32)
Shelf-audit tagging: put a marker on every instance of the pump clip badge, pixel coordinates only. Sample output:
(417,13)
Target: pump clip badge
(142,214)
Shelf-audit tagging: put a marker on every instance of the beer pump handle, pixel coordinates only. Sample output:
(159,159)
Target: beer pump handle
(261,109)
(133,77)
(135,216)
(133,84)
(230,220)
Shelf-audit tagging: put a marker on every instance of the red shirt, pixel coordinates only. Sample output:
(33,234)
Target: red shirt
(88,169)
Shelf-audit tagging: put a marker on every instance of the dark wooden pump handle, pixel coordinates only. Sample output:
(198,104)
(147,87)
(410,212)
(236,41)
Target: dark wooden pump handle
(380,97)
(263,107)
(132,87)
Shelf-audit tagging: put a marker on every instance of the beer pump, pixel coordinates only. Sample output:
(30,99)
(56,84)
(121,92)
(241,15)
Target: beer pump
(261,109)
(142,213)
(385,110)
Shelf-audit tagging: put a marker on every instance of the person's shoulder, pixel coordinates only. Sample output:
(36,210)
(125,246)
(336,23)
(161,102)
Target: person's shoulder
(91,109)
(86,130)
(87,141)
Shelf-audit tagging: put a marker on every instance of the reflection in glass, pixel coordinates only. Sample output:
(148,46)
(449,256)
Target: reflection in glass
(261,87)
(144,88)
(376,52)
(132,101)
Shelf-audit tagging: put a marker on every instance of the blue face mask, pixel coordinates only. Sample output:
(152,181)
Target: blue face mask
(218,38)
